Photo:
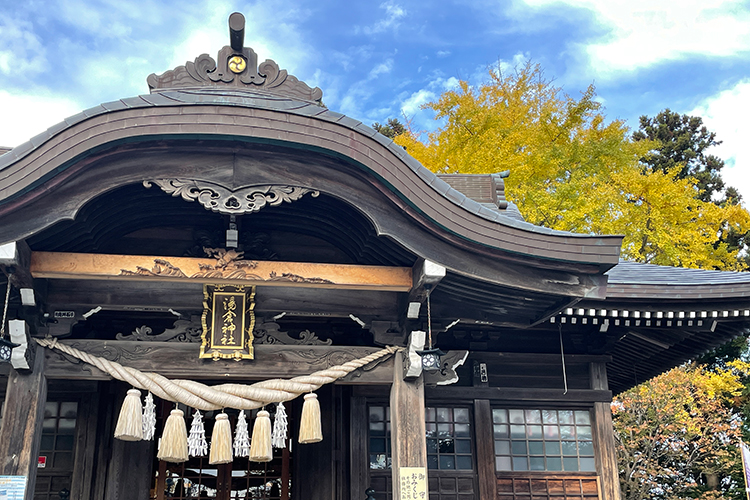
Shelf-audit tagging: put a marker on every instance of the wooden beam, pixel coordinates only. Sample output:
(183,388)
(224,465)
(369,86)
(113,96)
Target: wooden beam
(14,261)
(180,360)
(520,394)
(219,270)
(425,276)
(21,432)
(82,296)
(408,443)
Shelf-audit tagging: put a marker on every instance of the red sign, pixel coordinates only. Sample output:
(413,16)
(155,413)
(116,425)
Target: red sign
(41,463)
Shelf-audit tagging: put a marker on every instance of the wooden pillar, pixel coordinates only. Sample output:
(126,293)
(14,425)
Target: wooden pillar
(408,443)
(606,455)
(21,431)
(358,459)
(129,472)
(485,449)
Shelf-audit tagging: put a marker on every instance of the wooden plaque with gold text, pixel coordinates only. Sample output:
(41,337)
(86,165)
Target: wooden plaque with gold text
(228,322)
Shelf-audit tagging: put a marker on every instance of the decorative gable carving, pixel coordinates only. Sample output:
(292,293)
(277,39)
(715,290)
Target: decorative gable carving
(240,201)
(236,66)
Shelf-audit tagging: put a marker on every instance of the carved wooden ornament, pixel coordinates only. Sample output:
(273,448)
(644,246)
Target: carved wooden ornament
(228,322)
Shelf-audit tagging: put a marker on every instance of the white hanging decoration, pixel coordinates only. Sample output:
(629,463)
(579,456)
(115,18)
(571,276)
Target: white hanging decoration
(241,437)
(149,418)
(130,423)
(278,437)
(197,444)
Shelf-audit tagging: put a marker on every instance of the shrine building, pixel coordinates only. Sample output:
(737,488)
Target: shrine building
(227,228)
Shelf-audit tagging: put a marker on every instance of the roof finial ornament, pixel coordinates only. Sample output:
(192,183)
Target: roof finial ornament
(236,66)
(237,31)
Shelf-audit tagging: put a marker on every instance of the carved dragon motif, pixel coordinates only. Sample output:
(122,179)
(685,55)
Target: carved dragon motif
(228,265)
(219,199)
(161,268)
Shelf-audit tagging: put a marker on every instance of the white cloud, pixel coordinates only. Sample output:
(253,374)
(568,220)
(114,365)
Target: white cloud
(393,15)
(506,67)
(422,120)
(381,69)
(88,17)
(642,33)
(101,50)
(413,104)
(21,51)
(726,114)
(29,114)
(356,95)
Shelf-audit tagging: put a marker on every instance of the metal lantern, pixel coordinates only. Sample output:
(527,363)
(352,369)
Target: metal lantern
(431,355)
(6,349)
(431,359)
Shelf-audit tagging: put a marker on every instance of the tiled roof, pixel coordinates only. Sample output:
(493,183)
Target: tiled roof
(636,272)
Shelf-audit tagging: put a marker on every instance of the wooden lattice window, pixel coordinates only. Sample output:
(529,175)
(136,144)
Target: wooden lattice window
(543,440)
(450,452)
(448,432)
(57,445)
(449,438)
(379,429)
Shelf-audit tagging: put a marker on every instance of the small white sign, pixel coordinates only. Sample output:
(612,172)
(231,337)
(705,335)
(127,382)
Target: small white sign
(12,487)
(413,482)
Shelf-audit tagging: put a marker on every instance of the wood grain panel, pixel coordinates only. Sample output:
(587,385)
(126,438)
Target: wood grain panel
(63,265)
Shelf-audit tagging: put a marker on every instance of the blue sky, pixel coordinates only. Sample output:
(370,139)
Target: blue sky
(376,60)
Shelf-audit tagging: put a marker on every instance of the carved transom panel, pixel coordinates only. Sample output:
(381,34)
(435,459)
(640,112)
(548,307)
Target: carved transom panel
(267,332)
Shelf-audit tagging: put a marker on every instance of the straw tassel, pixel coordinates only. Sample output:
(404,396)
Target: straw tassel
(221,441)
(197,445)
(149,418)
(130,422)
(278,437)
(309,428)
(241,437)
(261,449)
(173,444)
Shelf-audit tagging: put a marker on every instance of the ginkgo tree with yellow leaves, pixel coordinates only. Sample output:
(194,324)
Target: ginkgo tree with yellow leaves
(572,169)
(677,435)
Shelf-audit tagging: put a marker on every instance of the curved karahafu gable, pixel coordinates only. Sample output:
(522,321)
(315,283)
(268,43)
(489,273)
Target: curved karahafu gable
(96,138)
(234,124)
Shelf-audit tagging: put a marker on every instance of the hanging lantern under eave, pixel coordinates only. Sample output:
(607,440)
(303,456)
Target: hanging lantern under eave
(6,349)
(431,359)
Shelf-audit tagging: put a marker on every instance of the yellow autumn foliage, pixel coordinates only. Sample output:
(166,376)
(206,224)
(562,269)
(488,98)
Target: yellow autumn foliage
(676,428)
(571,169)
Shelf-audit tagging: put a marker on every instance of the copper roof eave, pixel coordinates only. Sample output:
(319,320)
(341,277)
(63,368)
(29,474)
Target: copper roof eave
(253,115)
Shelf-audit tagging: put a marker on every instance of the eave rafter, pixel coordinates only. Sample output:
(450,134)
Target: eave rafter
(679,317)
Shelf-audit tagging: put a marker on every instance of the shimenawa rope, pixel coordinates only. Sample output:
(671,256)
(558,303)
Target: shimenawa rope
(203,397)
